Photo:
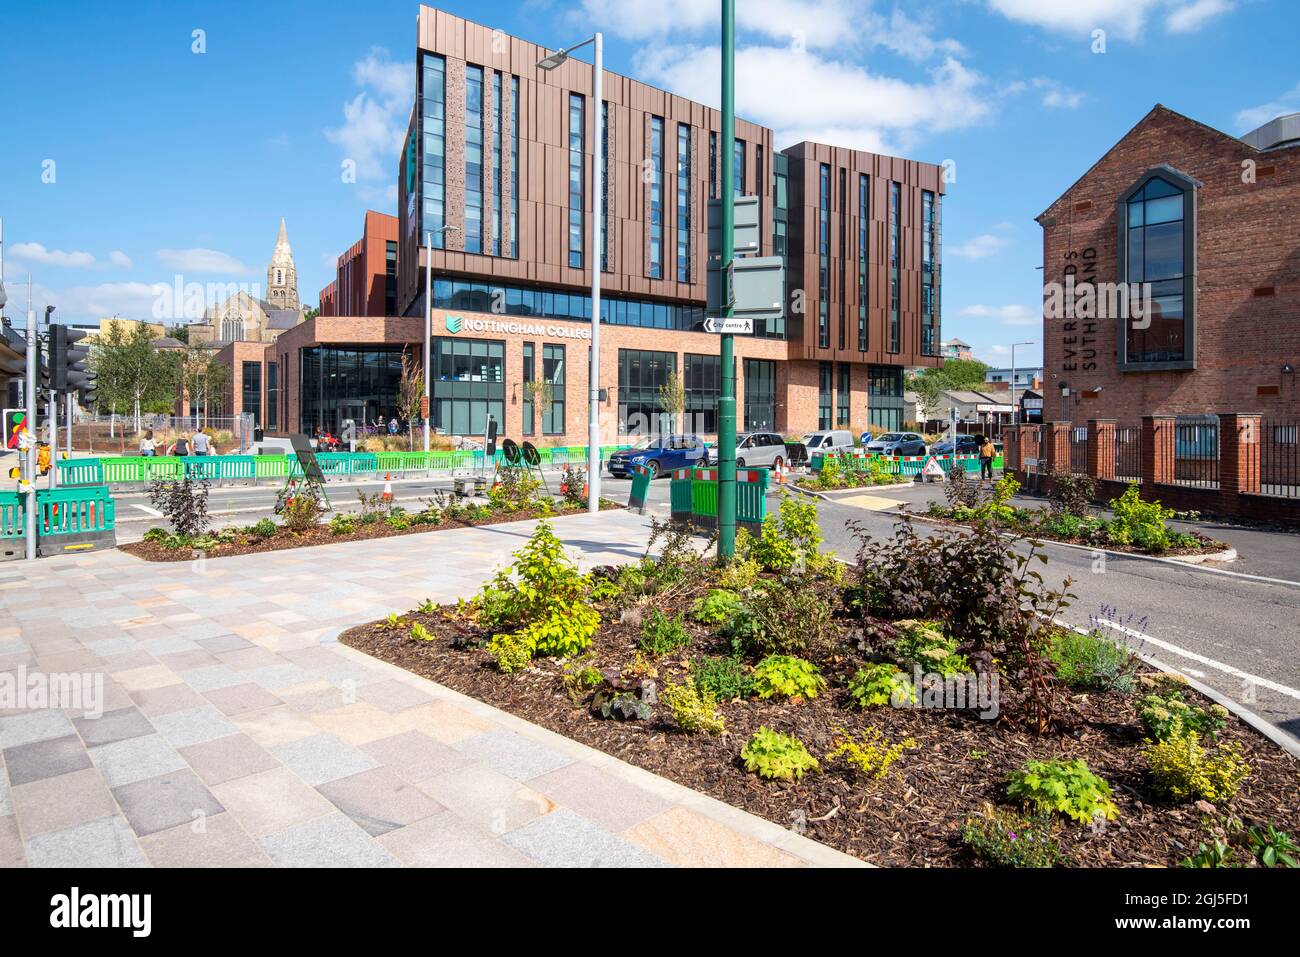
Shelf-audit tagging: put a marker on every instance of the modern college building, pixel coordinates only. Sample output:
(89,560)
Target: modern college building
(498,167)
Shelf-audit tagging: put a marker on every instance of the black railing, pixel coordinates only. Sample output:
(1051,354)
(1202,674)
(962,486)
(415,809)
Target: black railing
(1279,459)
(1128,453)
(1192,459)
(1079,439)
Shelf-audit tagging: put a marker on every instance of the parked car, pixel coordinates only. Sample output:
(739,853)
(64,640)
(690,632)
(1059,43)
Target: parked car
(764,450)
(966,445)
(828,441)
(895,443)
(660,454)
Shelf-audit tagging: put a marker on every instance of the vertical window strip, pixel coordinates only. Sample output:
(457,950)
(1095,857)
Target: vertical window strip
(514,167)
(824,259)
(433,215)
(864,226)
(738,159)
(496,163)
(844,248)
(473,159)
(604,185)
(895,225)
(576,205)
(683,202)
(656,197)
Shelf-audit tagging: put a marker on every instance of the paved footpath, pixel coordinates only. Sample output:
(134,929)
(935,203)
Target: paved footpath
(236,731)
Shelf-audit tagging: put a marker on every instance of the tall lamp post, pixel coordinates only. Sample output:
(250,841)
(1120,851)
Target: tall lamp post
(548,63)
(1015,411)
(428,324)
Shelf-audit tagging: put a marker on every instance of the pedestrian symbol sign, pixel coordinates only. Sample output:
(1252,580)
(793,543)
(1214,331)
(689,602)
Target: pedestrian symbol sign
(932,470)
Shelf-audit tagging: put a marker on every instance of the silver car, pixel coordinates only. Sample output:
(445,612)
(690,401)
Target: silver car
(764,450)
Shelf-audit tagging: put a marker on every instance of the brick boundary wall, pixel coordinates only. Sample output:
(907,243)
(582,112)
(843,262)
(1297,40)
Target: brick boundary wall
(1238,494)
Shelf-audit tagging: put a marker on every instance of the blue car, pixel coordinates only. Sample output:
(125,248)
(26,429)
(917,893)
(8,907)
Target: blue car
(660,454)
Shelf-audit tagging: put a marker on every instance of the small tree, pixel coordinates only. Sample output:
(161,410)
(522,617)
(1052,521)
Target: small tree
(183,503)
(672,398)
(410,395)
(203,380)
(542,394)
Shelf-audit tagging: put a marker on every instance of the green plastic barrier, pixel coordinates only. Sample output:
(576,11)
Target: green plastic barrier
(72,511)
(751,499)
(81,472)
(13,515)
(704,499)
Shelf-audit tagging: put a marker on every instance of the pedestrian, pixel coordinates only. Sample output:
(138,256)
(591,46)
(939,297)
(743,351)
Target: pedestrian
(148,447)
(986,459)
(392,426)
(180,447)
(202,444)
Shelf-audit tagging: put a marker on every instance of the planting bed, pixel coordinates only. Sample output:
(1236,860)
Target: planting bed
(912,815)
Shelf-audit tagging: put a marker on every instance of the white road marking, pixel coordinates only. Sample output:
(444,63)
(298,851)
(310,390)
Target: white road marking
(1208,662)
(147,510)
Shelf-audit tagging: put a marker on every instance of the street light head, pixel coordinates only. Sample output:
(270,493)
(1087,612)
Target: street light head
(552,60)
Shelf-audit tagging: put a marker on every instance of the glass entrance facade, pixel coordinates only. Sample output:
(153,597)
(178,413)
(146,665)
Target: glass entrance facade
(334,377)
(469,384)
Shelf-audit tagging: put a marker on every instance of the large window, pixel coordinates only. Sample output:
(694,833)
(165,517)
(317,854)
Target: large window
(683,202)
(641,374)
(824,261)
(702,380)
(895,228)
(885,397)
(272,396)
(656,197)
(468,384)
(251,390)
(530,375)
(473,159)
(434,121)
(713,165)
(551,303)
(553,372)
(576,180)
(760,394)
(1158,241)
(738,168)
(497,109)
(843,392)
(864,234)
(843,333)
(343,383)
(825,395)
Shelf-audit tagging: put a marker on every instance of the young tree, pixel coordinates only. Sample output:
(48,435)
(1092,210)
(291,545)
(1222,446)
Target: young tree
(131,372)
(543,395)
(672,398)
(410,395)
(203,380)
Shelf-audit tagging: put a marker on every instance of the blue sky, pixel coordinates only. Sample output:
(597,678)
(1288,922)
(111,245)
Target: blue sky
(169,162)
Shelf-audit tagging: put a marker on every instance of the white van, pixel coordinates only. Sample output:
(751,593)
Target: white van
(827,441)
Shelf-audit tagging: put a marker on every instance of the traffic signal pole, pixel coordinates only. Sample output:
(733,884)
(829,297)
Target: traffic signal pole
(727,401)
(29,456)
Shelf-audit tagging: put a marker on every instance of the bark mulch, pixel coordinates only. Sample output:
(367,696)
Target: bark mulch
(248,544)
(913,817)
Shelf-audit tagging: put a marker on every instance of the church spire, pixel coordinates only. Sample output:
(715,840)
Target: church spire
(282,274)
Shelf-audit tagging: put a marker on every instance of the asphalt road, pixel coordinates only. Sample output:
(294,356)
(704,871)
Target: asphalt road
(1236,627)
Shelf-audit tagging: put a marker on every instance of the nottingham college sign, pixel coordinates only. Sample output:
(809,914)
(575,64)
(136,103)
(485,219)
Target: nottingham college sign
(457,324)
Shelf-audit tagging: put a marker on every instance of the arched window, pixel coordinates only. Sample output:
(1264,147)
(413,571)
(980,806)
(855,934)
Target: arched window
(1157,226)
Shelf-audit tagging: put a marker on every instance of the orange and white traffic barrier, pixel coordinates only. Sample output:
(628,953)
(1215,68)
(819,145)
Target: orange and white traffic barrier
(388,486)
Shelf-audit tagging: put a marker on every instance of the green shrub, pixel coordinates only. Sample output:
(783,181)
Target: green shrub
(792,615)
(1062,525)
(788,537)
(882,684)
(544,599)
(776,756)
(264,528)
(1185,771)
(740,573)
(869,754)
(1004,838)
(724,678)
(1094,661)
(1219,854)
(924,643)
(420,633)
(661,634)
(1166,715)
(579,678)
(1138,523)
(341,524)
(302,512)
(156,534)
(783,676)
(716,608)
(398,521)
(696,712)
(1063,787)
(1273,848)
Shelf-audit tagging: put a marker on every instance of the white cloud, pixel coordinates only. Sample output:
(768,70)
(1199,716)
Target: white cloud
(1056,96)
(797,23)
(1013,315)
(119,259)
(1256,116)
(374,121)
(804,96)
(981,247)
(37,253)
(1125,18)
(202,261)
(84,303)
(1193,16)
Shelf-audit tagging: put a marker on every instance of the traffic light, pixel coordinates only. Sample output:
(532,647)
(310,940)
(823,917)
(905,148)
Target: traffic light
(67,359)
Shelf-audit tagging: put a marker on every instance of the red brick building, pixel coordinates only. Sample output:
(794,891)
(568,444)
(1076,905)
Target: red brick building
(1212,222)
(366,284)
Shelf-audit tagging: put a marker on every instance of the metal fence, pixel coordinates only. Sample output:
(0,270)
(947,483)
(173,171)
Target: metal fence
(1193,457)
(1128,453)
(1079,439)
(1279,458)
